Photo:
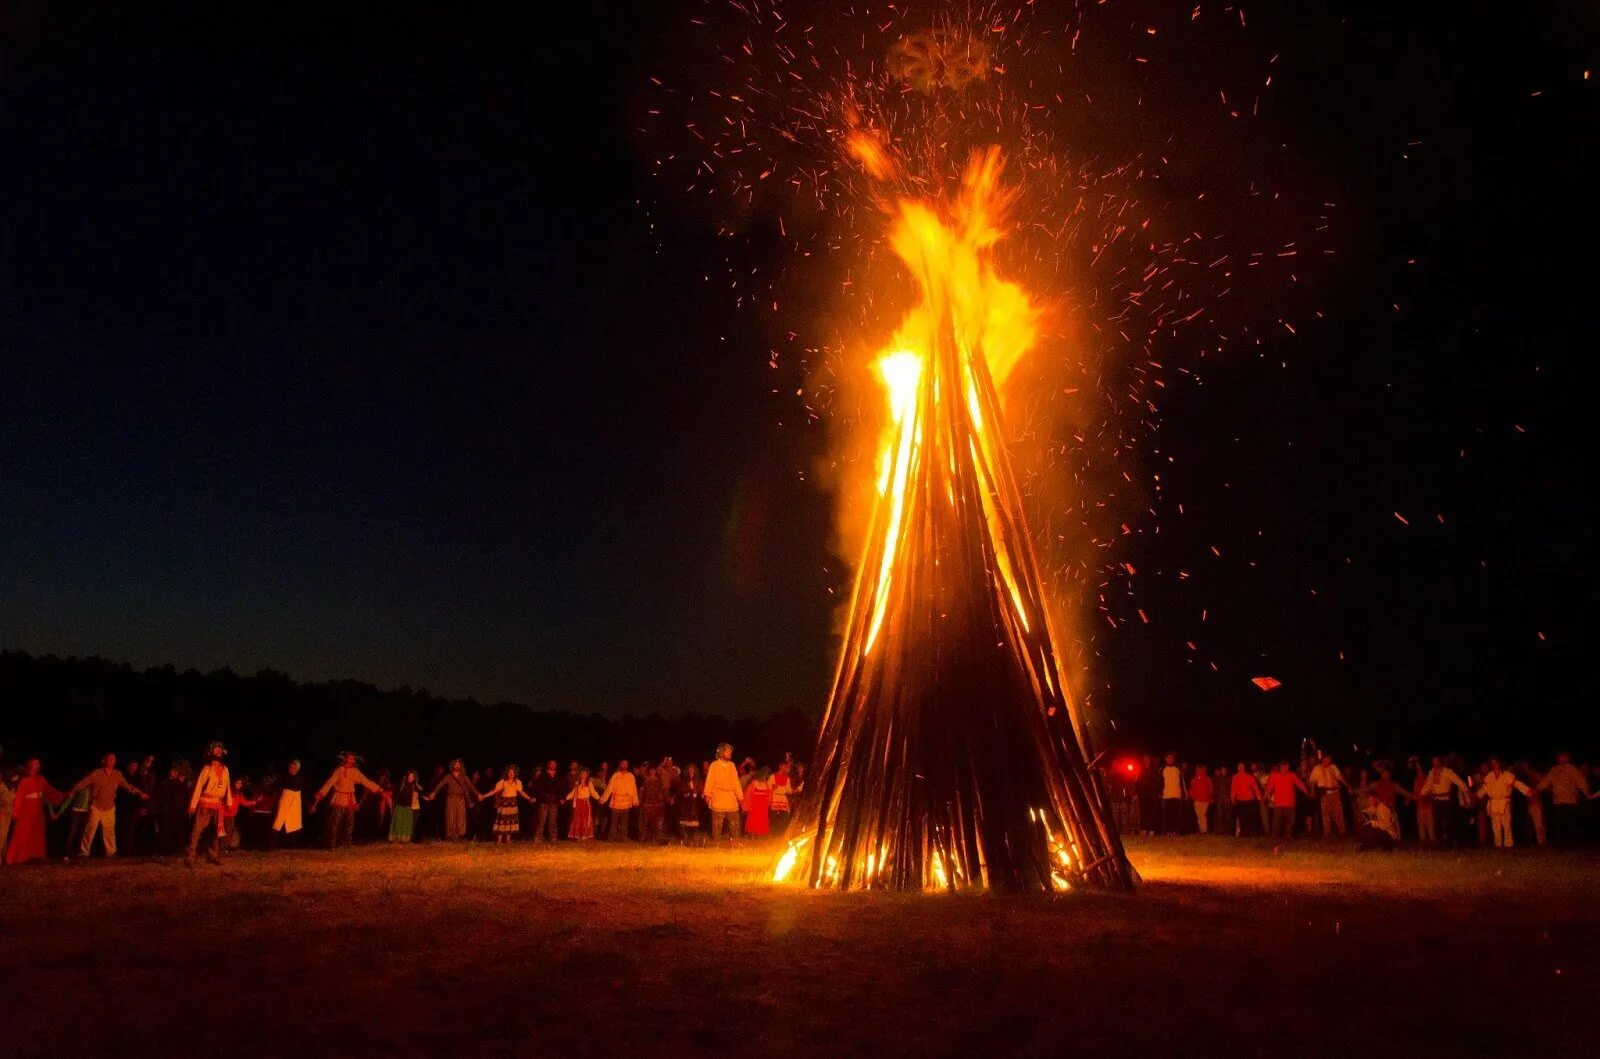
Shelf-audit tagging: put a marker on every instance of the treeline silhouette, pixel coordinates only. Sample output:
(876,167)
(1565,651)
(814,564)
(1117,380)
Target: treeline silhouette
(69,711)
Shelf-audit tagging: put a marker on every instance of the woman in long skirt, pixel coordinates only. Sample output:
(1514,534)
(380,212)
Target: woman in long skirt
(407,804)
(582,796)
(757,800)
(28,821)
(507,814)
(458,790)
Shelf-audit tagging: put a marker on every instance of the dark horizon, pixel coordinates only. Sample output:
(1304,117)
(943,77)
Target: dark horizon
(373,349)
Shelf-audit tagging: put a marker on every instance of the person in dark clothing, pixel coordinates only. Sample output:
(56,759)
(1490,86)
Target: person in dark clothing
(128,804)
(548,788)
(172,813)
(1149,792)
(144,830)
(564,819)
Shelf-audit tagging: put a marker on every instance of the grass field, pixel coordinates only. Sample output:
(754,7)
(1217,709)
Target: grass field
(1228,948)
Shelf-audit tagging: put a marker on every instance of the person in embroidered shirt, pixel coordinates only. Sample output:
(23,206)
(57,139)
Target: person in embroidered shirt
(1246,794)
(1201,791)
(1282,785)
(1326,779)
(103,784)
(213,790)
(1496,790)
(724,794)
(342,806)
(622,794)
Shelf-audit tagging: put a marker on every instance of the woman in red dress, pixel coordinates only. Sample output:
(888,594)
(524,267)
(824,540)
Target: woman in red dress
(757,801)
(28,823)
(582,796)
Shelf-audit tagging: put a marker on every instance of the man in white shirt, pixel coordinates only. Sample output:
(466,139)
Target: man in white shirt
(724,794)
(1326,779)
(622,794)
(342,783)
(213,790)
(1497,787)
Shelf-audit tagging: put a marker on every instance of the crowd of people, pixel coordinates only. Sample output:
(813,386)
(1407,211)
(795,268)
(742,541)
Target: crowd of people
(194,811)
(1443,802)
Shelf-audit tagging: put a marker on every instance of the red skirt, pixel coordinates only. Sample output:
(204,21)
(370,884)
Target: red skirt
(582,825)
(27,831)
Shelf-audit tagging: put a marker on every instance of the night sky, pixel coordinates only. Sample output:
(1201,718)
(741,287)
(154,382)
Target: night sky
(373,346)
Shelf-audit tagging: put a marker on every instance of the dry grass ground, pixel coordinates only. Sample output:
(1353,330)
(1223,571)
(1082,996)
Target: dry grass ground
(1226,949)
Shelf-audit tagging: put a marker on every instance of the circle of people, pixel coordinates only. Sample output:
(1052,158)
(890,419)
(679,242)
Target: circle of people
(210,809)
(1433,804)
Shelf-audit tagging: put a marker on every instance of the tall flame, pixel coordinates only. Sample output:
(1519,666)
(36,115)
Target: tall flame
(993,320)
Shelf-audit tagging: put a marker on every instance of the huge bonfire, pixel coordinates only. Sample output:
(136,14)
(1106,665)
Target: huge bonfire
(948,756)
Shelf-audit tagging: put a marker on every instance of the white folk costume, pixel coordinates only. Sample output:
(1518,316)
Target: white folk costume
(290,817)
(1497,788)
(213,792)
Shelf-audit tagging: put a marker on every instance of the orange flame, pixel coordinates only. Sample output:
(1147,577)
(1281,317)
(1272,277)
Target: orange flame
(948,250)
